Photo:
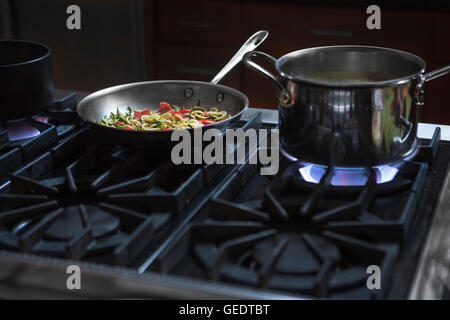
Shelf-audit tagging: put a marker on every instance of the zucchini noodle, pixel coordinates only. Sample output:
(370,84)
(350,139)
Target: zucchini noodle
(169,117)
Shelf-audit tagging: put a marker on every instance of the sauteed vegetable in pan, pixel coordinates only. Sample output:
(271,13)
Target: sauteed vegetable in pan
(168,117)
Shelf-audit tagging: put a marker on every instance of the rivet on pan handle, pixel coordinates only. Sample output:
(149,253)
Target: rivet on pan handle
(188,93)
(220,97)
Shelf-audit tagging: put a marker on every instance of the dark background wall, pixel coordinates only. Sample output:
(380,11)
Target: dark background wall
(106,51)
(132,40)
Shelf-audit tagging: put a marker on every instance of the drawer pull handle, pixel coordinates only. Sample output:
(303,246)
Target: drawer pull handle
(332,33)
(197,24)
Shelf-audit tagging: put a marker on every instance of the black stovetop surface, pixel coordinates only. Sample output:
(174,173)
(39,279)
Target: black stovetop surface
(284,234)
(64,194)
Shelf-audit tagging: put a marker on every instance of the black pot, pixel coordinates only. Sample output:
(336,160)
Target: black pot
(26,84)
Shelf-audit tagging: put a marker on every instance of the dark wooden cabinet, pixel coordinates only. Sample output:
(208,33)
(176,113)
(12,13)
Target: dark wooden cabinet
(441,41)
(437,103)
(304,26)
(183,62)
(212,23)
(195,38)
(294,27)
(410,31)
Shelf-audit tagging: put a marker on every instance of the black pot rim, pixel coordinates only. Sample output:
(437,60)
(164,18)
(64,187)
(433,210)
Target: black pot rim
(41,58)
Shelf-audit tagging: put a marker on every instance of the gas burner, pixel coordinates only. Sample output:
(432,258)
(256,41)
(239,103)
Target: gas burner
(348,177)
(73,221)
(247,253)
(358,177)
(21,141)
(42,119)
(21,130)
(76,232)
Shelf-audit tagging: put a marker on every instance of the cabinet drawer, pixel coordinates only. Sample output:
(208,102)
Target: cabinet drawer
(194,63)
(216,23)
(441,50)
(294,27)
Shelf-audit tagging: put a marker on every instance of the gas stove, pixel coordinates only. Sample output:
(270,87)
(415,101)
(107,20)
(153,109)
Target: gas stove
(139,226)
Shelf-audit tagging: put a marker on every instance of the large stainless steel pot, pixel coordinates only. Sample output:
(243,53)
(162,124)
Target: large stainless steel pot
(342,122)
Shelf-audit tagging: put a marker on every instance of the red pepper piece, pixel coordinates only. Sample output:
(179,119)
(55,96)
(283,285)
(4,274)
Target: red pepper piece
(164,107)
(138,115)
(178,114)
(206,122)
(183,111)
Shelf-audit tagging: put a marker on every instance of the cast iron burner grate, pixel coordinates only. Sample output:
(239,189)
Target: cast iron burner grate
(101,203)
(284,234)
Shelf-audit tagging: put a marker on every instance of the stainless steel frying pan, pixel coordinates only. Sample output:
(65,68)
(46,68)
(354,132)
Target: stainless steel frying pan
(148,95)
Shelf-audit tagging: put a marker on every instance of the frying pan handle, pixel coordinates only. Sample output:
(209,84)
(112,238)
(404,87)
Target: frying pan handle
(285,97)
(251,44)
(419,93)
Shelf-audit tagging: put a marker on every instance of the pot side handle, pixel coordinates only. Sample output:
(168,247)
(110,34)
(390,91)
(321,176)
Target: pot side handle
(419,92)
(436,73)
(285,97)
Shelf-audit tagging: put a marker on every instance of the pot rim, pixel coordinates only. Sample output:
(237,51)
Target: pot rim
(47,54)
(385,83)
